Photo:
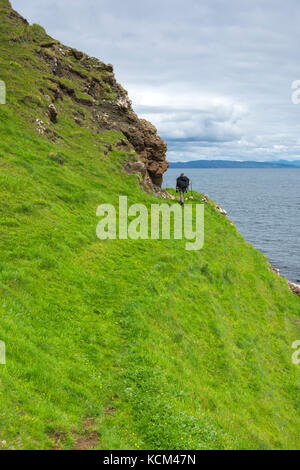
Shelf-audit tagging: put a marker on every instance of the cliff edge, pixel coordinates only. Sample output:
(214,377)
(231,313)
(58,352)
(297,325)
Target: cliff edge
(98,100)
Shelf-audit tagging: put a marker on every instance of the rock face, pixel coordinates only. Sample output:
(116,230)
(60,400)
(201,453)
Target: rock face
(221,210)
(99,102)
(150,147)
(295,288)
(52,113)
(92,84)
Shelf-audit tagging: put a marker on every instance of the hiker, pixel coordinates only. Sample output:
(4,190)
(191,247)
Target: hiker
(182,183)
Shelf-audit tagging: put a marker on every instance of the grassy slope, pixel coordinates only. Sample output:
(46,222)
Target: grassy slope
(159,347)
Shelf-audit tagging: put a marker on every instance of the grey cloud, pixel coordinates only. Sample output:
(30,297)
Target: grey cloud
(241,52)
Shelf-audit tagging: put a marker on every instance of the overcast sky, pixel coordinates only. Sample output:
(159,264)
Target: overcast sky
(214,76)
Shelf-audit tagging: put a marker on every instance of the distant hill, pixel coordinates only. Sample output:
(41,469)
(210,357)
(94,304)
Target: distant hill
(232,164)
(289,163)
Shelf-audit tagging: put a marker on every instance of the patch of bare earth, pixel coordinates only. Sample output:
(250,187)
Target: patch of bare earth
(88,441)
(89,438)
(109,410)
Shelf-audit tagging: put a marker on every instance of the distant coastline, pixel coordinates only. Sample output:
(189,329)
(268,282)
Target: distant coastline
(234,164)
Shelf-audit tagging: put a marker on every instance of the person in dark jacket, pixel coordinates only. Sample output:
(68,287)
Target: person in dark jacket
(182,183)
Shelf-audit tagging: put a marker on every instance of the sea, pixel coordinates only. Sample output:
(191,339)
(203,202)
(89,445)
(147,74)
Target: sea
(263,203)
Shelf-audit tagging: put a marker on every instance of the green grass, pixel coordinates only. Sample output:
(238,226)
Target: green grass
(159,347)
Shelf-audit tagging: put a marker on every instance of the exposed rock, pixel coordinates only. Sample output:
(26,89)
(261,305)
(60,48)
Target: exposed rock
(205,198)
(109,68)
(222,211)
(124,102)
(48,44)
(55,92)
(156,170)
(61,50)
(40,126)
(123,143)
(96,88)
(55,66)
(52,113)
(295,288)
(275,270)
(136,167)
(165,195)
(15,15)
(77,72)
(93,87)
(150,147)
(77,54)
(79,121)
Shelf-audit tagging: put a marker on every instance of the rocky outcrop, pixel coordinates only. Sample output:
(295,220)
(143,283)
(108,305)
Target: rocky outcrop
(295,288)
(15,15)
(221,210)
(149,146)
(99,101)
(92,84)
(275,270)
(52,113)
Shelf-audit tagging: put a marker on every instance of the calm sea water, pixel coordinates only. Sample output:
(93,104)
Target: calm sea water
(264,205)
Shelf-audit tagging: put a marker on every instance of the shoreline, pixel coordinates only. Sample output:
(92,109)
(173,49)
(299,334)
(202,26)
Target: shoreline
(295,288)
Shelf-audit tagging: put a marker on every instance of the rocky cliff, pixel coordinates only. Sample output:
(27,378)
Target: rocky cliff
(114,344)
(91,84)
